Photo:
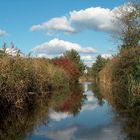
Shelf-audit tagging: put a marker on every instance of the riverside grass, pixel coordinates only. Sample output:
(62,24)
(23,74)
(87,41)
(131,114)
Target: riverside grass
(20,76)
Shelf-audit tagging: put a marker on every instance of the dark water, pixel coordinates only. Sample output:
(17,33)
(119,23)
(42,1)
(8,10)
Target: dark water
(75,115)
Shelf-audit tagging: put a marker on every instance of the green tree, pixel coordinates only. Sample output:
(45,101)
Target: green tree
(75,57)
(98,66)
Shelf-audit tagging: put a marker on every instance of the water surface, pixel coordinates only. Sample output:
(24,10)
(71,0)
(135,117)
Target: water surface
(79,116)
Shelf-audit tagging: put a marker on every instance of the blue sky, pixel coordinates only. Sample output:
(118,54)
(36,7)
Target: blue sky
(17,18)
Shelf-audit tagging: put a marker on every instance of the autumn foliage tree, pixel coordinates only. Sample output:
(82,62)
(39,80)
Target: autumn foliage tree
(72,103)
(74,56)
(69,67)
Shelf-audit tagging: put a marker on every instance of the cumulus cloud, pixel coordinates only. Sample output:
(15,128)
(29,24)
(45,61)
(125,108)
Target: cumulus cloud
(50,56)
(2,33)
(93,18)
(58,24)
(100,19)
(88,59)
(57,46)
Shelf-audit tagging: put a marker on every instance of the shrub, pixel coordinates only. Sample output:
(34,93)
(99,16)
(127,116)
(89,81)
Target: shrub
(20,76)
(122,76)
(69,67)
(49,76)
(126,76)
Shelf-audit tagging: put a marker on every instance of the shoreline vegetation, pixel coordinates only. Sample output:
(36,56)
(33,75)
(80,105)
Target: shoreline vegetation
(121,77)
(21,77)
(26,81)
(18,123)
(24,78)
(120,74)
(118,81)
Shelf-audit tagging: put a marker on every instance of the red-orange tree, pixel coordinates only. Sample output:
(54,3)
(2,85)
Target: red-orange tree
(69,67)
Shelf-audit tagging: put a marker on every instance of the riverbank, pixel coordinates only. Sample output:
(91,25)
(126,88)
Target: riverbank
(121,76)
(65,112)
(22,78)
(19,123)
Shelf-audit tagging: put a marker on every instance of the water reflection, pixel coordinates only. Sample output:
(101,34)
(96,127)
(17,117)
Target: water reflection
(17,124)
(76,114)
(93,121)
(131,117)
(98,94)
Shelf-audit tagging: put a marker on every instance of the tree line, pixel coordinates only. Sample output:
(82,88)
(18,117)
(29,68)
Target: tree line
(121,73)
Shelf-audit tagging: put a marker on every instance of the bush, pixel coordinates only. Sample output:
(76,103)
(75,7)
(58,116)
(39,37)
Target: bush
(126,76)
(69,67)
(49,76)
(20,76)
(122,76)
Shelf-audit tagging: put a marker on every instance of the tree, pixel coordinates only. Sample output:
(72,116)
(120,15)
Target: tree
(69,67)
(75,58)
(127,18)
(98,66)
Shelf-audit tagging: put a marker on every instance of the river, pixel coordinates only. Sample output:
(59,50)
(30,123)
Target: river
(94,122)
(80,115)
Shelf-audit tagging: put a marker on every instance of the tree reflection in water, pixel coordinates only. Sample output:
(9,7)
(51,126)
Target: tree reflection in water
(97,93)
(130,117)
(17,124)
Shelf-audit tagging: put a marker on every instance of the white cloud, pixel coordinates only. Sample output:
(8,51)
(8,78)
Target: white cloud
(94,18)
(100,19)
(2,33)
(57,46)
(44,55)
(88,58)
(58,24)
